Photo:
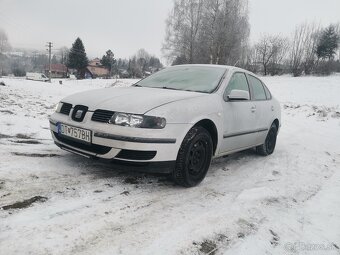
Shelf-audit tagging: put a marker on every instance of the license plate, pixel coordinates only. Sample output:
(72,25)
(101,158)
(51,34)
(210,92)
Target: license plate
(76,133)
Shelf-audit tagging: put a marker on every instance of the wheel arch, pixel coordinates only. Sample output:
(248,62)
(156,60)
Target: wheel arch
(210,126)
(277,123)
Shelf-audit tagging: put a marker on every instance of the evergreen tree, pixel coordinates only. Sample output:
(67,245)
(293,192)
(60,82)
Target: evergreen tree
(328,43)
(108,60)
(77,58)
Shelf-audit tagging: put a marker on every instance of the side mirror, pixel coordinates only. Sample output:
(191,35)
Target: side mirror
(236,94)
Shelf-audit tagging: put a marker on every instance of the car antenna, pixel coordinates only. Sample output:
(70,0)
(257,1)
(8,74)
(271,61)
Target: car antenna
(236,62)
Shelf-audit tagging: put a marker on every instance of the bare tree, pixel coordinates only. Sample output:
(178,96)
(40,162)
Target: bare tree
(337,29)
(143,58)
(182,28)
(265,52)
(234,32)
(210,31)
(4,46)
(298,46)
(142,63)
(270,51)
(280,46)
(225,32)
(310,45)
(302,56)
(252,60)
(210,26)
(63,54)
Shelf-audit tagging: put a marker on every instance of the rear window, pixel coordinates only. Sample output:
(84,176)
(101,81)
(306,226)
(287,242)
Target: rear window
(269,96)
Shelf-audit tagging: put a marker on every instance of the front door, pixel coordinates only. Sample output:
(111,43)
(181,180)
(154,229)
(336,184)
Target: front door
(239,117)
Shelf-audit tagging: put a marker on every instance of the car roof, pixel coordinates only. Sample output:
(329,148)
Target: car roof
(230,68)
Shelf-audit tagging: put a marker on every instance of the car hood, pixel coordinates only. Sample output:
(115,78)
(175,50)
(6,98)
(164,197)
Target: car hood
(137,100)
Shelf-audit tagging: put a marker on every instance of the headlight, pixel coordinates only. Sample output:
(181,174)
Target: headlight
(57,107)
(138,121)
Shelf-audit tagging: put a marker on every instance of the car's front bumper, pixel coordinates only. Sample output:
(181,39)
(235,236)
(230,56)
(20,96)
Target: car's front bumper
(154,150)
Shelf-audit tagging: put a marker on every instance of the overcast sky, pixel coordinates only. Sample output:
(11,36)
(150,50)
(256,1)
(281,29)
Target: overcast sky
(127,25)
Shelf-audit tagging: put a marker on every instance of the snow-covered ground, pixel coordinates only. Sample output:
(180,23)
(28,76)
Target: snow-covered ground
(287,203)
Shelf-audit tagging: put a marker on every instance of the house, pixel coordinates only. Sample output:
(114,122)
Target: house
(57,70)
(96,69)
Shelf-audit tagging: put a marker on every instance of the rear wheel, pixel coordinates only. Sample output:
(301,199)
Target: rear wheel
(269,145)
(194,157)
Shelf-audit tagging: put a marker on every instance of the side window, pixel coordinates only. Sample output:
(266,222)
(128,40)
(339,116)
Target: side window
(258,90)
(238,81)
(269,96)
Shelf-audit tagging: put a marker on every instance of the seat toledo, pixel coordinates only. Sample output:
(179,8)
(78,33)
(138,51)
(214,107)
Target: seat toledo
(174,121)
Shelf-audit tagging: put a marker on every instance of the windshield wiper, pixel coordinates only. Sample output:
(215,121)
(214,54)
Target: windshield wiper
(169,88)
(137,85)
(183,89)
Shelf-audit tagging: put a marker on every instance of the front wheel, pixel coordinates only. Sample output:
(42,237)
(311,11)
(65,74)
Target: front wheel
(269,145)
(194,157)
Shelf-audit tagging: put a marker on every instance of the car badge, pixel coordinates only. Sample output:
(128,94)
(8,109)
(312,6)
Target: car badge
(78,114)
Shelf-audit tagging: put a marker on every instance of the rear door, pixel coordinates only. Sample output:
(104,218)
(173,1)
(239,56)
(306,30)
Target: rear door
(239,117)
(264,108)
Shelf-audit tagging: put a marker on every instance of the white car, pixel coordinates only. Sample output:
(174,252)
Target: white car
(36,77)
(174,121)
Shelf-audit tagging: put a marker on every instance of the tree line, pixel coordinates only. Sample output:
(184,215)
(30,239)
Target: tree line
(75,58)
(139,65)
(211,32)
(217,32)
(310,50)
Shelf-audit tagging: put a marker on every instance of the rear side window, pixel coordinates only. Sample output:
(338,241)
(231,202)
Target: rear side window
(258,89)
(269,96)
(238,81)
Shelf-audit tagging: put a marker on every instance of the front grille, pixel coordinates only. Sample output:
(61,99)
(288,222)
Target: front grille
(65,108)
(136,155)
(102,116)
(94,148)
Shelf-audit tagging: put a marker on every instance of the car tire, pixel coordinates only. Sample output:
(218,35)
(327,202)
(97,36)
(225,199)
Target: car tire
(194,157)
(269,145)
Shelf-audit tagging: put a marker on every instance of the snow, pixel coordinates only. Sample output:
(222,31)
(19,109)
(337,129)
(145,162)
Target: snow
(287,203)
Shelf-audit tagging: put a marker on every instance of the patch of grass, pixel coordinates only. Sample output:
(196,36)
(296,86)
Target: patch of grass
(7,111)
(25,203)
(131,180)
(5,136)
(36,155)
(27,141)
(208,247)
(23,136)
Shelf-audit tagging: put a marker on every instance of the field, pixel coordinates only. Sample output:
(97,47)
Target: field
(54,202)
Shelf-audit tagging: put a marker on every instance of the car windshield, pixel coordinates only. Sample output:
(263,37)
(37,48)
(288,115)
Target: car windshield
(189,78)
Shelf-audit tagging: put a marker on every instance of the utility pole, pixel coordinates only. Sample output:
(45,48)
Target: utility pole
(49,45)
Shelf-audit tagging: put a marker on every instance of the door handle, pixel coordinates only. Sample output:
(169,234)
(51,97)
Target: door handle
(253,109)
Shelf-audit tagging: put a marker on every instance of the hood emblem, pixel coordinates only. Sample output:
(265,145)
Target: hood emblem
(78,114)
